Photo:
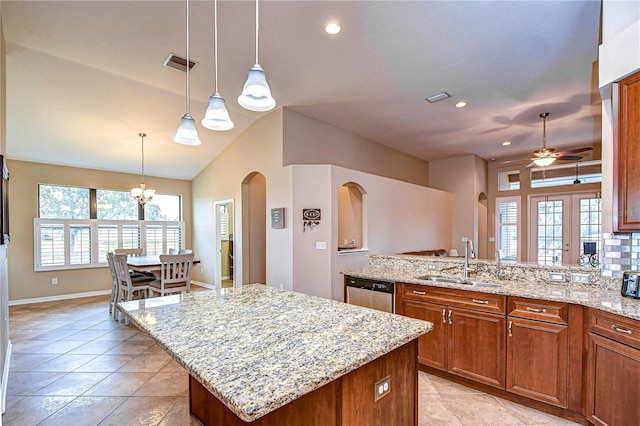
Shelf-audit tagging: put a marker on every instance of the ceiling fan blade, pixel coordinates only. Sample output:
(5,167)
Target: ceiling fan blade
(575,151)
(568,158)
(531,164)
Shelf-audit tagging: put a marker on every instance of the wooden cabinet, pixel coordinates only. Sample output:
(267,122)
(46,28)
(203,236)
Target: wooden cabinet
(613,371)
(537,350)
(626,156)
(468,338)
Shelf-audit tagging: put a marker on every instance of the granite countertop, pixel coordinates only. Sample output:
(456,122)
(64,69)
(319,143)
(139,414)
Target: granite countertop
(605,299)
(257,348)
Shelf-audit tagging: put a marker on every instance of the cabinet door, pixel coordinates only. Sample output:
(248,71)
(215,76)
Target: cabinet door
(476,346)
(537,360)
(432,347)
(613,383)
(626,215)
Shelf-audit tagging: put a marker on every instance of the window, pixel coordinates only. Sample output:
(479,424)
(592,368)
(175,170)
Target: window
(84,243)
(567,174)
(508,181)
(163,207)
(115,205)
(508,228)
(64,202)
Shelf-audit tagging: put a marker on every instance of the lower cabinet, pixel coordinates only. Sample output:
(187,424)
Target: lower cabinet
(537,350)
(613,372)
(466,339)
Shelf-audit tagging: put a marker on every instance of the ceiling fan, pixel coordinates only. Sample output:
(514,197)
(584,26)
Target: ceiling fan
(547,156)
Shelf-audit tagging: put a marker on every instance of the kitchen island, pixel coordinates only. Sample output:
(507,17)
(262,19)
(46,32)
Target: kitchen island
(268,356)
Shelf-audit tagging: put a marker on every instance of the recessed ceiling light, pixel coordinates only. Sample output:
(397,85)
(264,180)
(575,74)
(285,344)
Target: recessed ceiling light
(506,143)
(333,28)
(461,104)
(438,97)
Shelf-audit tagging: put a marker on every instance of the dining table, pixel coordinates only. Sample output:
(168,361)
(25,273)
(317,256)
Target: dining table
(147,264)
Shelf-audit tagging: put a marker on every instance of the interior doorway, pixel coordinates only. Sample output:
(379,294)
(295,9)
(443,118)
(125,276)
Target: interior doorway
(254,229)
(224,243)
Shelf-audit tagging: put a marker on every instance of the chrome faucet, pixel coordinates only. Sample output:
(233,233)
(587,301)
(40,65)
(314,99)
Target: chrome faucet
(468,252)
(499,273)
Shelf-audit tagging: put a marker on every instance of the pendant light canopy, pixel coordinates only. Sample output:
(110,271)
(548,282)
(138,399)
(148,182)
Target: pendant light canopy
(142,194)
(256,94)
(217,116)
(187,133)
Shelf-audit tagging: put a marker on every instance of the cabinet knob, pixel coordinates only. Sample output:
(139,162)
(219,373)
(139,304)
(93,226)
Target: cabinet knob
(621,330)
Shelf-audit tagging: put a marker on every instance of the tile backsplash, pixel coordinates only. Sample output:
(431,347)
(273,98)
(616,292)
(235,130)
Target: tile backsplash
(621,253)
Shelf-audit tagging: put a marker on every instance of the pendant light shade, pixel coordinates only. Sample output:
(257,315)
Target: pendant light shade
(217,116)
(187,133)
(256,94)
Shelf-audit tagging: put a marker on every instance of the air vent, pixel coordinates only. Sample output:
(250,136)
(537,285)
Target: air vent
(176,62)
(437,97)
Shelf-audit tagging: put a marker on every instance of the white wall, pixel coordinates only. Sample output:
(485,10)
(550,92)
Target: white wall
(399,216)
(4,281)
(619,57)
(258,149)
(465,177)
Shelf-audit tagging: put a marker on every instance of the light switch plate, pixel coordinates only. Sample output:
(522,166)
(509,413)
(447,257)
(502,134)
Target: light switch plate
(580,278)
(321,245)
(557,277)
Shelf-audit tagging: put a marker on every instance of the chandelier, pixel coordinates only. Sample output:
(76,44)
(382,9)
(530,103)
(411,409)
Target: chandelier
(142,194)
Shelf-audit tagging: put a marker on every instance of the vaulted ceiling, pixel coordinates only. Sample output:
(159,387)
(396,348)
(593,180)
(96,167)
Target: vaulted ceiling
(85,77)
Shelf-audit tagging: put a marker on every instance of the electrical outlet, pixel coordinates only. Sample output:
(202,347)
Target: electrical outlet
(580,278)
(345,242)
(353,242)
(557,277)
(54,281)
(464,239)
(321,245)
(431,266)
(202,270)
(382,388)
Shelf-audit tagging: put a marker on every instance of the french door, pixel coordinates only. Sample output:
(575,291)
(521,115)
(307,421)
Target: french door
(560,224)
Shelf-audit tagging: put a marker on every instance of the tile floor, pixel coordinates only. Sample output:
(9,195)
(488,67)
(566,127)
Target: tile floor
(73,365)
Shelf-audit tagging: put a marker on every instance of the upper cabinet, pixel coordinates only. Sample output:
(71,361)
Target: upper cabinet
(626,185)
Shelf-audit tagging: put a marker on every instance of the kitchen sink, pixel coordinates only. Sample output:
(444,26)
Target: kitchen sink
(464,281)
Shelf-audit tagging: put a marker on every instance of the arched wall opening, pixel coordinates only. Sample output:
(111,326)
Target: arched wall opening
(254,229)
(351,214)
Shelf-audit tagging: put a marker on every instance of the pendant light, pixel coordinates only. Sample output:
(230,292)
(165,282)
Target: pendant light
(142,194)
(187,133)
(217,116)
(256,94)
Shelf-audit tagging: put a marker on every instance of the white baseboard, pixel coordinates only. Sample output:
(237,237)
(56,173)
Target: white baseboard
(5,379)
(205,285)
(226,277)
(59,297)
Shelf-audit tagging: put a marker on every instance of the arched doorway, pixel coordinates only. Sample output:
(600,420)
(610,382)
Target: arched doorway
(254,229)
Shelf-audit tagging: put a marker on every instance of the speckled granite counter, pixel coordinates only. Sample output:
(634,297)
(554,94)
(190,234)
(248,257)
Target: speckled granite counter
(258,348)
(522,282)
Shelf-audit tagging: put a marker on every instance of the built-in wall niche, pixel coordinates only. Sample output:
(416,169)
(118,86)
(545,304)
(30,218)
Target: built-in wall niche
(351,209)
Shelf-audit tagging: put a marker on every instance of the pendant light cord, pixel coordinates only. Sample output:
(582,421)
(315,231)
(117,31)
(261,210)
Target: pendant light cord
(256,31)
(142,135)
(544,134)
(215,40)
(188,63)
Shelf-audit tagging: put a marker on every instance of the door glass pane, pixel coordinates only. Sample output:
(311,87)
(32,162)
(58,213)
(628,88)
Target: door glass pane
(550,232)
(590,222)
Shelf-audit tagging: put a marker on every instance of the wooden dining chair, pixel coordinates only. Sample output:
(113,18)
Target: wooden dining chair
(129,287)
(134,252)
(115,288)
(185,251)
(174,251)
(175,274)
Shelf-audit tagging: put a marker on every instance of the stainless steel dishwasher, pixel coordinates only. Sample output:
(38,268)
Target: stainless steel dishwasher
(373,294)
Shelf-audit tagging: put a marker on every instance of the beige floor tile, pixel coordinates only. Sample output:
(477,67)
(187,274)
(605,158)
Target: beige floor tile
(56,334)
(129,347)
(154,350)
(17,335)
(479,410)
(27,362)
(140,411)
(65,363)
(95,347)
(34,409)
(179,415)
(84,411)
(104,364)
(28,382)
(86,335)
(119,334)
(72,384)
(146,363)
(425,387)
(532,417)
(57,347)
(444,386)
(433,411)
(119,384)
(166,384)
(172,367)
(28,346)
(81,325)
(109,324)
(12,399)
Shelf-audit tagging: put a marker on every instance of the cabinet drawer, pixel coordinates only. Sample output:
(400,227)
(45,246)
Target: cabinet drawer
(620,329)
(540,310)
(485,302)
